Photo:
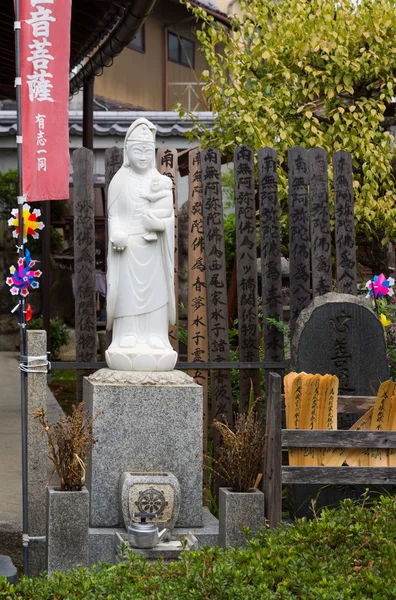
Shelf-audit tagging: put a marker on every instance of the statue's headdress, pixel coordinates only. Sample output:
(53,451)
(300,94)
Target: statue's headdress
(140,132)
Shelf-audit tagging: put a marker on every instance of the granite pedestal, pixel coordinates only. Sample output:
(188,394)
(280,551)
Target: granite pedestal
(150,422)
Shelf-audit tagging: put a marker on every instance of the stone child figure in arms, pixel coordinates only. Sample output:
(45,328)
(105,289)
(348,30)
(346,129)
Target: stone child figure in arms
(140,266)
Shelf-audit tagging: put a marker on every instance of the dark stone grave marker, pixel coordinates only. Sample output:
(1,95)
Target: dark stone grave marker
(341,335)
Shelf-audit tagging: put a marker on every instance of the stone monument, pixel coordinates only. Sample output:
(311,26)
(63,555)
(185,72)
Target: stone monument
(340,334)
(140,259)
(152,414)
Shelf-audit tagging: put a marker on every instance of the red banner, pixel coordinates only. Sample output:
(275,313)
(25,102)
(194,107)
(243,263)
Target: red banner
(45,53)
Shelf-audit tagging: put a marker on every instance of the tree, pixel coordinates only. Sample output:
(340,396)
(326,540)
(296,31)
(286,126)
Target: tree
(314,73)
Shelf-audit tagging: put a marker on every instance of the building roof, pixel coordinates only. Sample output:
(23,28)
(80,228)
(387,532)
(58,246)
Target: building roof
(93,22)
(116,123)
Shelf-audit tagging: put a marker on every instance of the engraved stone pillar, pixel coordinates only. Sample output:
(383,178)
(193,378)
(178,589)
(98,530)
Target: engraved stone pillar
(37,448)
(151,422)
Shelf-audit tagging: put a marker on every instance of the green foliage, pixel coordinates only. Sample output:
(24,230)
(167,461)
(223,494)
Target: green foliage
(318,73)
(8,192)
(59,335)
(345,554)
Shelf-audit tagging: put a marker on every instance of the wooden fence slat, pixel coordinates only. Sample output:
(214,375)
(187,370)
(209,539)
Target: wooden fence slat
(197,346)
(113,162)
(270,242)
(216,281)
(340,475)
(299,238)
(272,480)
(322,281)
(299,438)
(344,223)
(84,260)
(246,251)
(167,165)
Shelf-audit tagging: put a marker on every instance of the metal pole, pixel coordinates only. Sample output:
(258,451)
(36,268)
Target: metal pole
(46,277)
(88,98)
(22,320)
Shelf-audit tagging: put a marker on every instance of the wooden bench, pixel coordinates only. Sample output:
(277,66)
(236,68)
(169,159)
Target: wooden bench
(277,439)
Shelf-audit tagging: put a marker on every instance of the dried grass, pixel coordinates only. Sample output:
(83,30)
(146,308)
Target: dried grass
(240,456)
(69,441)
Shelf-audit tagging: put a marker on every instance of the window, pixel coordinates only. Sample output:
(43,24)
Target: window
(138,42)
(180,50)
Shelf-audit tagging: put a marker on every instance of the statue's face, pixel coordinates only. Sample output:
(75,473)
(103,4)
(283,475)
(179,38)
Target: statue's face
(140,157)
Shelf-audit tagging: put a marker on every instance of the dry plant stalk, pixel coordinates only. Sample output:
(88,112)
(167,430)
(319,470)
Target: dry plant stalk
(69,441)
(240,456)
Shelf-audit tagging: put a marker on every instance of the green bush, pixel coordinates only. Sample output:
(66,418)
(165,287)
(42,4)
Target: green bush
(349,553)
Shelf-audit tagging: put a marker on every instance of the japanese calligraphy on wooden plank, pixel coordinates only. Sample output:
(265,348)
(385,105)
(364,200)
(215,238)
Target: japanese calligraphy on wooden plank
(113,162)
(245,212)
(197,347)
(299,239)
(270,242)
(167,165)
(320,222)
(344,224)
(216,281)
(84,259)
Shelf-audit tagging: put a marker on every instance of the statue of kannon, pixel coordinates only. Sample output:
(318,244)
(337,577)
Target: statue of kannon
(140,260)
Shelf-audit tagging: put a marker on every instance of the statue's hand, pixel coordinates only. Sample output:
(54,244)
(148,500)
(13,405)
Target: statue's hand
(119,240)
(152,223)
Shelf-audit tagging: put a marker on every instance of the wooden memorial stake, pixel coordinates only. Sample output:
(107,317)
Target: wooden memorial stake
(245,210)
(216,284)
(197,347)
(113,162)
(378,457)
(344,223)
(84,261)
(273,453)
(322,281)
(299,237)
(167,165)
(270,242)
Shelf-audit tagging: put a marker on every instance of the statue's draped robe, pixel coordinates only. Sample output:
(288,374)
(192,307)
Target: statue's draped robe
(140,295)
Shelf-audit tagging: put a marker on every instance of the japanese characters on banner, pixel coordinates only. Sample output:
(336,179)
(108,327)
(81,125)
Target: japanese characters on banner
(45,51)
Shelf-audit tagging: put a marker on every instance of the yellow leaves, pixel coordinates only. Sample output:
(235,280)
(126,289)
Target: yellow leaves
(282,135)
(341,110)
(265,55)
(241,100)
(205,74)
(366,34)
(247,118)
(308,114)
(352,108)
(330,94)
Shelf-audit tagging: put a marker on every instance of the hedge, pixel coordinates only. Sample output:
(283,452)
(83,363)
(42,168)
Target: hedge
(346,553)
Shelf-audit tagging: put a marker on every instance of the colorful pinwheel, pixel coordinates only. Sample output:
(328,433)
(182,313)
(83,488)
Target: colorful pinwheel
(24,276)
(380,287)
(30,222)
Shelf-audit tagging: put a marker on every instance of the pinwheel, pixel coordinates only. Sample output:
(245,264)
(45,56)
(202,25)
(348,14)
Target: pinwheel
(30,223)
(380,287)
(23,277)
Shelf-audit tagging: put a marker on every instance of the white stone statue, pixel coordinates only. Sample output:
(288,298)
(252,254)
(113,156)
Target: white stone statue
(140,260)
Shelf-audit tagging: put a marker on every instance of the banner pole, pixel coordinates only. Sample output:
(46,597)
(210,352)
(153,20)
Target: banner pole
(22,319)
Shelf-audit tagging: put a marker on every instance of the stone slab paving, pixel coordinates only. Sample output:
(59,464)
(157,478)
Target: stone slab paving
(10,437)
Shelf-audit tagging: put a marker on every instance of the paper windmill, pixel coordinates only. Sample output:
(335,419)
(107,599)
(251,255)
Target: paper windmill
(380,287)
(24,276)
(30,223)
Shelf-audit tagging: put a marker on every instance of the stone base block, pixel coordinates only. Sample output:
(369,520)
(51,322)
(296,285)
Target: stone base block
(236,511)
(8,569)
(102,541)
(67,529)
(150,422)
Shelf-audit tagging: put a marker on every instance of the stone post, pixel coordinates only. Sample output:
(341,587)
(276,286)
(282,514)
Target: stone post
(37,461)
